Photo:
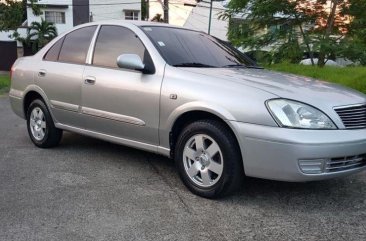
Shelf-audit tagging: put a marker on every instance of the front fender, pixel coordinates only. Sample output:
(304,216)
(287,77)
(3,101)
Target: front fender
(167,125)
(198,106)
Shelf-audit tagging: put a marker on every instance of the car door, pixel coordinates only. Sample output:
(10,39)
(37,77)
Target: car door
(60,75)
(120,102)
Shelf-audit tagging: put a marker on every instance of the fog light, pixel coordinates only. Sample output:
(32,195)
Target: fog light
(315,166)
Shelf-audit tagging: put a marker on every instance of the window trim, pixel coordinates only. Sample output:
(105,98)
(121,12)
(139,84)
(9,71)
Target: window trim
(94,43)
(90,56)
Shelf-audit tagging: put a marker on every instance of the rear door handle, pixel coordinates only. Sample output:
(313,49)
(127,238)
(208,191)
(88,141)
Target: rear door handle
(90,80)
(42,73)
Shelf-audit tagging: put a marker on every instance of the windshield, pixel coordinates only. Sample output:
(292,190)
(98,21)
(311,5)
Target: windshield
(188,48)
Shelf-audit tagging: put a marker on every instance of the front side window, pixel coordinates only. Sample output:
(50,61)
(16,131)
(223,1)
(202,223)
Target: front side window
(55,17)
(113,41)
(131,15)
(188,48)
(76,45)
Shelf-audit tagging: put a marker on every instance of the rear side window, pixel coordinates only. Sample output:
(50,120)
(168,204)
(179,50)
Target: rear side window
(113,41)
(54,51)
(76,45)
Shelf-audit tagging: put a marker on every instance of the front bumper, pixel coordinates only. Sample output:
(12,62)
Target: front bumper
(276,153)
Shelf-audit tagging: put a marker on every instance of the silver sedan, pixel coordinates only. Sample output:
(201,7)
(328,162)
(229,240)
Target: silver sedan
(191,97)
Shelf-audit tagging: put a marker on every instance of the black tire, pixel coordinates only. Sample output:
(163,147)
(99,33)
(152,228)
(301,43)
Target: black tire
(52,135)
(232,172)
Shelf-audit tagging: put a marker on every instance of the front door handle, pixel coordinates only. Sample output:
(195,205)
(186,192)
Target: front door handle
(89,80)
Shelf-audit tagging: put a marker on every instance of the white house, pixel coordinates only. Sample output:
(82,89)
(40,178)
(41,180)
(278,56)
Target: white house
(66,14)
(199,18)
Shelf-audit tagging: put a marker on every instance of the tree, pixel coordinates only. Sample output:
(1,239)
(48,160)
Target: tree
(13,13)
(38,35)
(356,38)
(157,18)
(41,33)
(292,27)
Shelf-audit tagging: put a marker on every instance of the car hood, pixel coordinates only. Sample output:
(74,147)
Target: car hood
(308,90)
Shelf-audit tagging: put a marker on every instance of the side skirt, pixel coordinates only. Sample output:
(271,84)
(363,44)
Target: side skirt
(122,141)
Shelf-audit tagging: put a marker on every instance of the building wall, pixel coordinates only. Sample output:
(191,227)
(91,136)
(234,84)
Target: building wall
(113,9)
(83,9)
(68,14)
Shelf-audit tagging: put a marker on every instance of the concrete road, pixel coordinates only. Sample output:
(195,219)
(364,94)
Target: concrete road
(87,189)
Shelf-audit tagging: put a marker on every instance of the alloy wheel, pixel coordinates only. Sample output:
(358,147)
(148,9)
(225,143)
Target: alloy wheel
(37,124)
(203,160)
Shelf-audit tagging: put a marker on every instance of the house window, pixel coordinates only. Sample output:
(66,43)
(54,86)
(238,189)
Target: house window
(55,17)
(131,15)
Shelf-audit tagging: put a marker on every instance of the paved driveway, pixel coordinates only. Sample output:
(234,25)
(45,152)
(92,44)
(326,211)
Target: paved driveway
(87,189)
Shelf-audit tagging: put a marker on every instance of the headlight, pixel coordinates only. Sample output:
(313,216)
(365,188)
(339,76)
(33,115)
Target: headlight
(293,114)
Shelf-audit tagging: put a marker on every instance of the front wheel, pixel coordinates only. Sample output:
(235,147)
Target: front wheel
(41,128)
(208,159)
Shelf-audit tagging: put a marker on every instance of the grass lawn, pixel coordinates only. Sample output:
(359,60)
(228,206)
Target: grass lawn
(4,83)
(353,77)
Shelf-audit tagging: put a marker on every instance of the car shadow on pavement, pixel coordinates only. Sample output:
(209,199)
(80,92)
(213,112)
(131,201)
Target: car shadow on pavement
(334,195)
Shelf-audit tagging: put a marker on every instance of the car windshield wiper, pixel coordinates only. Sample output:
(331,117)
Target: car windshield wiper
(242,66)
(234,66)
(198,65)
(254,67)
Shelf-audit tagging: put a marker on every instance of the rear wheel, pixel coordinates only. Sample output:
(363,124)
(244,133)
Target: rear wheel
(208,159)
(41,128)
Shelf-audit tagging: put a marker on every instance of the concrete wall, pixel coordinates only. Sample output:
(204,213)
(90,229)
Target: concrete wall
(4,36)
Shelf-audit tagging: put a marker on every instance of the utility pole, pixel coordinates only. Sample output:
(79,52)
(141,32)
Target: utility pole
(166,11)
(147,10)
(209,20)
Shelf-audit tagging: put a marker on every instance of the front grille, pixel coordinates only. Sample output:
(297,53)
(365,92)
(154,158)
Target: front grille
(353,117)
(345,163)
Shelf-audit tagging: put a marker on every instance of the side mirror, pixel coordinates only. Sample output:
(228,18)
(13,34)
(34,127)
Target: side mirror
(130,61)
